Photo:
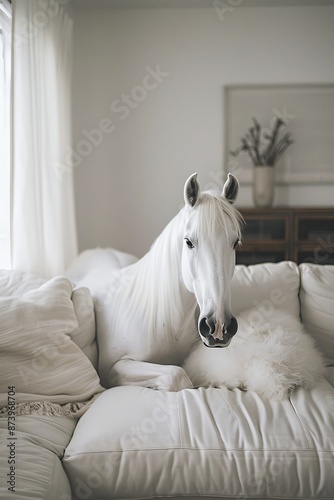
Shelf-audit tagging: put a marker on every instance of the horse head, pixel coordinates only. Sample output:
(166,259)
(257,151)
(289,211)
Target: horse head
(211,234)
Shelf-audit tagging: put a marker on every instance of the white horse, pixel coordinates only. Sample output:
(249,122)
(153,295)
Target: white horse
(149,314)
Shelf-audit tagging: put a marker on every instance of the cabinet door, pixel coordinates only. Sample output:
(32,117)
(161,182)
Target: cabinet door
(314,236)
(265,237)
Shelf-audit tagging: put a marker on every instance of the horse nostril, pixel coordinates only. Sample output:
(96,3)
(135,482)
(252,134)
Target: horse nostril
(232,327)
(206,327)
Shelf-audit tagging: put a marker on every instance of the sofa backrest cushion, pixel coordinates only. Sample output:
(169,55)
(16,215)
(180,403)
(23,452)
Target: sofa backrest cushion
(266,287)
(17,282)
(317,305)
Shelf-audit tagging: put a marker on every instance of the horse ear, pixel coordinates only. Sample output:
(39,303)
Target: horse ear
(230,189)
(191,190)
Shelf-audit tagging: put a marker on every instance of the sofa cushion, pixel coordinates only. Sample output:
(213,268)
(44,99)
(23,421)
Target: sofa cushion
(92,267)
(84,336)
(18,282)
(266,287)
(135,442)
(317,305)
(37,472)
(37,353)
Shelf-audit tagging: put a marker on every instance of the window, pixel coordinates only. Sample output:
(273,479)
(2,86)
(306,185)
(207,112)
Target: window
(5,131)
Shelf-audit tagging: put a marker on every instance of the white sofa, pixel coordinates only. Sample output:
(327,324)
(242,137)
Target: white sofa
(134,442)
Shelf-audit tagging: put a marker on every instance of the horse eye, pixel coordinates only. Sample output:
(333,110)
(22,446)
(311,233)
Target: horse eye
(237,242)
(189,243)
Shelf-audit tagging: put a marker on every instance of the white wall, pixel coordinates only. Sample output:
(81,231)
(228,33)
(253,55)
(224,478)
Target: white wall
(129,186)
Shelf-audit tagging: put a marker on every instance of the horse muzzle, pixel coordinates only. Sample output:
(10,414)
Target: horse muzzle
(208,332)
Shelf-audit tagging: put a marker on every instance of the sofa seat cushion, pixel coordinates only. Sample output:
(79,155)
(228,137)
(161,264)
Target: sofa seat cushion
(37,472)
(317,305)
(135,442)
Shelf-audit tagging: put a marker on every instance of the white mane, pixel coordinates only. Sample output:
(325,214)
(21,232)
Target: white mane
(156,290)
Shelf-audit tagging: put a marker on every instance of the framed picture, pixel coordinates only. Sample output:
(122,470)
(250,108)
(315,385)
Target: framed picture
(308,111)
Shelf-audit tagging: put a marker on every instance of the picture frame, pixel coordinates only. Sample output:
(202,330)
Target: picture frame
(307,109)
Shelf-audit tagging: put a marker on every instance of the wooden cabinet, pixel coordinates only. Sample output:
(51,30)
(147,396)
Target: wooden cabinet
(298,234)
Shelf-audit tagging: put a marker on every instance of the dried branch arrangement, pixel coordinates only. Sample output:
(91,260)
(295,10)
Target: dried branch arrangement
(260,152)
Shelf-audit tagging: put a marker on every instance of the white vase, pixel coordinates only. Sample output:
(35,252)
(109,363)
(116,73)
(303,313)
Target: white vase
(263,186)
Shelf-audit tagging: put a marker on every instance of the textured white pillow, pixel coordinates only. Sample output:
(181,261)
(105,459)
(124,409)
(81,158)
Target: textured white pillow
(18,282)
(37,354)
(317,305)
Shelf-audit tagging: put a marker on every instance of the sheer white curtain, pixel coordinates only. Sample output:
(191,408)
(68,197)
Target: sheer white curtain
(43,215)
(5,124)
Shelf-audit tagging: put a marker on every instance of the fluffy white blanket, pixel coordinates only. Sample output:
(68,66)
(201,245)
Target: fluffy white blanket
(270,356)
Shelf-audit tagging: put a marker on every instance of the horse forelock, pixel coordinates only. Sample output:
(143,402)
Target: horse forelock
(213,209)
